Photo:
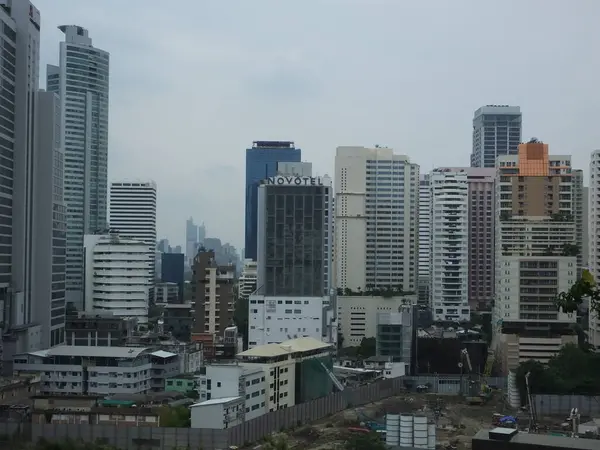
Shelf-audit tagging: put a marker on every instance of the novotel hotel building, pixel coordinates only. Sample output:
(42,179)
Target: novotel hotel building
(293,261)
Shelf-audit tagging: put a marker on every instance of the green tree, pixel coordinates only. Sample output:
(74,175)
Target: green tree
(240,317)
(367,348)
(586,287)
(364,441)
(178,417)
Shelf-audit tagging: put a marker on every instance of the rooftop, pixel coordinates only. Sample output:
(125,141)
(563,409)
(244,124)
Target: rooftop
(216,401)
(163,354)
(102,352)
(303,344)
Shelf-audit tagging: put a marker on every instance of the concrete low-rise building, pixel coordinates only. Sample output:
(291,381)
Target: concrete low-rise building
(79,370)
(296,371)
(218,413)
(232,380)
(357,314)
(182,383)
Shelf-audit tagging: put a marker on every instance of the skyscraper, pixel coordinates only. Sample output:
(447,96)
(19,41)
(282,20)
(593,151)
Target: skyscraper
(496,132)
(33,218)
(536,254)
(261,163)
(424,240)
(293,264)
(450,245)
(133,216)
(376,223)
(191,240)
(81,80)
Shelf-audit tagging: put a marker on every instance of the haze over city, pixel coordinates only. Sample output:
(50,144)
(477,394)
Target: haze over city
(193,83)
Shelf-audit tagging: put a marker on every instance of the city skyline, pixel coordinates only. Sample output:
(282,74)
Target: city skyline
(236,101)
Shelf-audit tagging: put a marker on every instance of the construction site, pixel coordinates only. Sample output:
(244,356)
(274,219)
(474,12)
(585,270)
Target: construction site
(419,419)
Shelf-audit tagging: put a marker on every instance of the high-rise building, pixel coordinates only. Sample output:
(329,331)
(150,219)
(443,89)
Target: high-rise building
(48,223)
(496,132)
(293,261)
(31,198)
(424,282)
(377,210)
(116,276)
(172,271)
(81,81)
(261,163)
(580,217)
(450,246)
(133,216)
(481,234)
(191,240)
(594,239)
(213,292)
(536,254)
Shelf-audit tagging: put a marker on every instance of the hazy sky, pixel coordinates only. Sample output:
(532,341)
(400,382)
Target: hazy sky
(194,82)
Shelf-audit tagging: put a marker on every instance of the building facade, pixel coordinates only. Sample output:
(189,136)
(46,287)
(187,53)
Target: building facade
(172,270)
(357,315)
(424,276)
(293,261)
(81,81)
(97,330)
(536,254)
(482,204)
(133,216)
(233,380)
(261,163)
(165,293)
(496,132)
(377,210)
(594,239)
(32,216)
(213,292)
(116,276)
(78,370)
(450,246)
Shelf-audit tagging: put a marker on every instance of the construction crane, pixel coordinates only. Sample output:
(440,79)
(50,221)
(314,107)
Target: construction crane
(533,425)
(338,384)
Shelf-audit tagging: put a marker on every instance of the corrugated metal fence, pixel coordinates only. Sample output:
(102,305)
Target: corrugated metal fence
(554,405)
(134,438)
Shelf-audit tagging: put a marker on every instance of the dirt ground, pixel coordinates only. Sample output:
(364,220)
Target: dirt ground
(456,421)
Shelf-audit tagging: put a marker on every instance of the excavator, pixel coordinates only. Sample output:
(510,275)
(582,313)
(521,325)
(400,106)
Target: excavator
(484,391)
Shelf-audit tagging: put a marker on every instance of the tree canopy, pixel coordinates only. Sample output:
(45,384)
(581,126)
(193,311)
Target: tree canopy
(360,441)
(572,299)
(571,371)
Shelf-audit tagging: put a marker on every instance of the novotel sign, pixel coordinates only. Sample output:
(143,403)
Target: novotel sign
(294,181)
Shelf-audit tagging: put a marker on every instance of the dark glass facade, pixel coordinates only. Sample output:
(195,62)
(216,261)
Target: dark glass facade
(172,270)
(294,240)
(496,132)
(261,163)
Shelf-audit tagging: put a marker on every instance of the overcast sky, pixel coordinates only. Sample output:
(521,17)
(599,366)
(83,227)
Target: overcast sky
(194,82)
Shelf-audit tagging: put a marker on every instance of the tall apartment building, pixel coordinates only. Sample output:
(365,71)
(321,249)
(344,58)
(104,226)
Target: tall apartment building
(261,163)
(424,281)
(81,81)
(377,210)
(450,246)
(293,262)
(213,292)
(482,221)
(116,276)
(496,132)
(31,198)
(580,217)
(133,216)
(594,239)
(535,254)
